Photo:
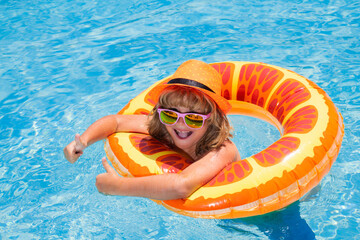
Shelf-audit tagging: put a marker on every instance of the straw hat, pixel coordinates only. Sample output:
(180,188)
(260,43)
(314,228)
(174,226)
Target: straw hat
(198,75)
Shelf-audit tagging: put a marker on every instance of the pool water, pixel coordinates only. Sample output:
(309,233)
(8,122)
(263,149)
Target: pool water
(64,64)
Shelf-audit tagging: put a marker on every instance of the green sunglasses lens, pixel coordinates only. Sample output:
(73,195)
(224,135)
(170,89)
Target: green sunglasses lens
(194,120)
(168,117)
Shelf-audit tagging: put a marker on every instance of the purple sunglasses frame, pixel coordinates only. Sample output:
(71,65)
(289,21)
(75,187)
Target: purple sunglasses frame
(182,115)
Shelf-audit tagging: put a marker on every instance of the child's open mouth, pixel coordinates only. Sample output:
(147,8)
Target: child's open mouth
(183,134)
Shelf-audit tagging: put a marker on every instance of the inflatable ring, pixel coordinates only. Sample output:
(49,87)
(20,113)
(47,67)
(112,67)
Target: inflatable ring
(311,134)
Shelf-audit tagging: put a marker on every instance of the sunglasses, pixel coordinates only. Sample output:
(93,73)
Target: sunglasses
(192,120)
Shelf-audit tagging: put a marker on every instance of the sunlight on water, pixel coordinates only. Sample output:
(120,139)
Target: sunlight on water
(65,64)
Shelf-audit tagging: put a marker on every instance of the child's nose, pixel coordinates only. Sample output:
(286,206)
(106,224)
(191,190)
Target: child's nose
(181,122)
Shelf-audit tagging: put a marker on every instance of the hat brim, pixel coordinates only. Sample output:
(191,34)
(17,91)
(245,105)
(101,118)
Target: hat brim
(222,102)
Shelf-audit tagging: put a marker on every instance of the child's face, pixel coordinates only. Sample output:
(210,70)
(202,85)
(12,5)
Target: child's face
(183,136)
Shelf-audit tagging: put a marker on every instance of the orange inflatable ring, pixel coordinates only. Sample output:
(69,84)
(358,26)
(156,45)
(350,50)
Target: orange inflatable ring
(311,134)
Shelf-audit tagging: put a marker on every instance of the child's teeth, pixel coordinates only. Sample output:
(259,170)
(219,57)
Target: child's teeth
(183,134)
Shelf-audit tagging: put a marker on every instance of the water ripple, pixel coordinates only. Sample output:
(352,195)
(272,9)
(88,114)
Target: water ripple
(64,64)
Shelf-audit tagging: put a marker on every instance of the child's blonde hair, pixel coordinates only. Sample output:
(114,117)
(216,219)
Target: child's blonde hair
(178,96)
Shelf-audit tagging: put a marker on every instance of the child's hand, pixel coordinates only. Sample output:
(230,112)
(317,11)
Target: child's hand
(106,182)
(74,150)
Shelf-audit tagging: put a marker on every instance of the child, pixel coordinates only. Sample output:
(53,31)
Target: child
(189,117)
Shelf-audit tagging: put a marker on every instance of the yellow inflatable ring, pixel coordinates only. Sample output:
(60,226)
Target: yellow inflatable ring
(311,134)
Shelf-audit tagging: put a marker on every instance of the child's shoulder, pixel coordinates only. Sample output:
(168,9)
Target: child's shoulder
(229,151)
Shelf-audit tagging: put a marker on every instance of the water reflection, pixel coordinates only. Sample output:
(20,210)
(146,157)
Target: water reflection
(284,224)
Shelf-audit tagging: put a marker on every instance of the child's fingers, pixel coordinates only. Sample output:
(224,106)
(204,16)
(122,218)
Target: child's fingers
(70,152)
(107,167)
(79,146)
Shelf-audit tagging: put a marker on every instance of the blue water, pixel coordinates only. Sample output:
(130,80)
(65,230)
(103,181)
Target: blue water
(64,64)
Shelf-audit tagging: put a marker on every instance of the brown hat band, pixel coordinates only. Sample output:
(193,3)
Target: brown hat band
(189,82)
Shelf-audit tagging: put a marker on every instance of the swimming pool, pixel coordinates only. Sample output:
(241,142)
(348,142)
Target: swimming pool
(64,64)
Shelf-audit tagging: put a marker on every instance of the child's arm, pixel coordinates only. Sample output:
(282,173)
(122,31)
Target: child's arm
(101,129)
(172,185)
